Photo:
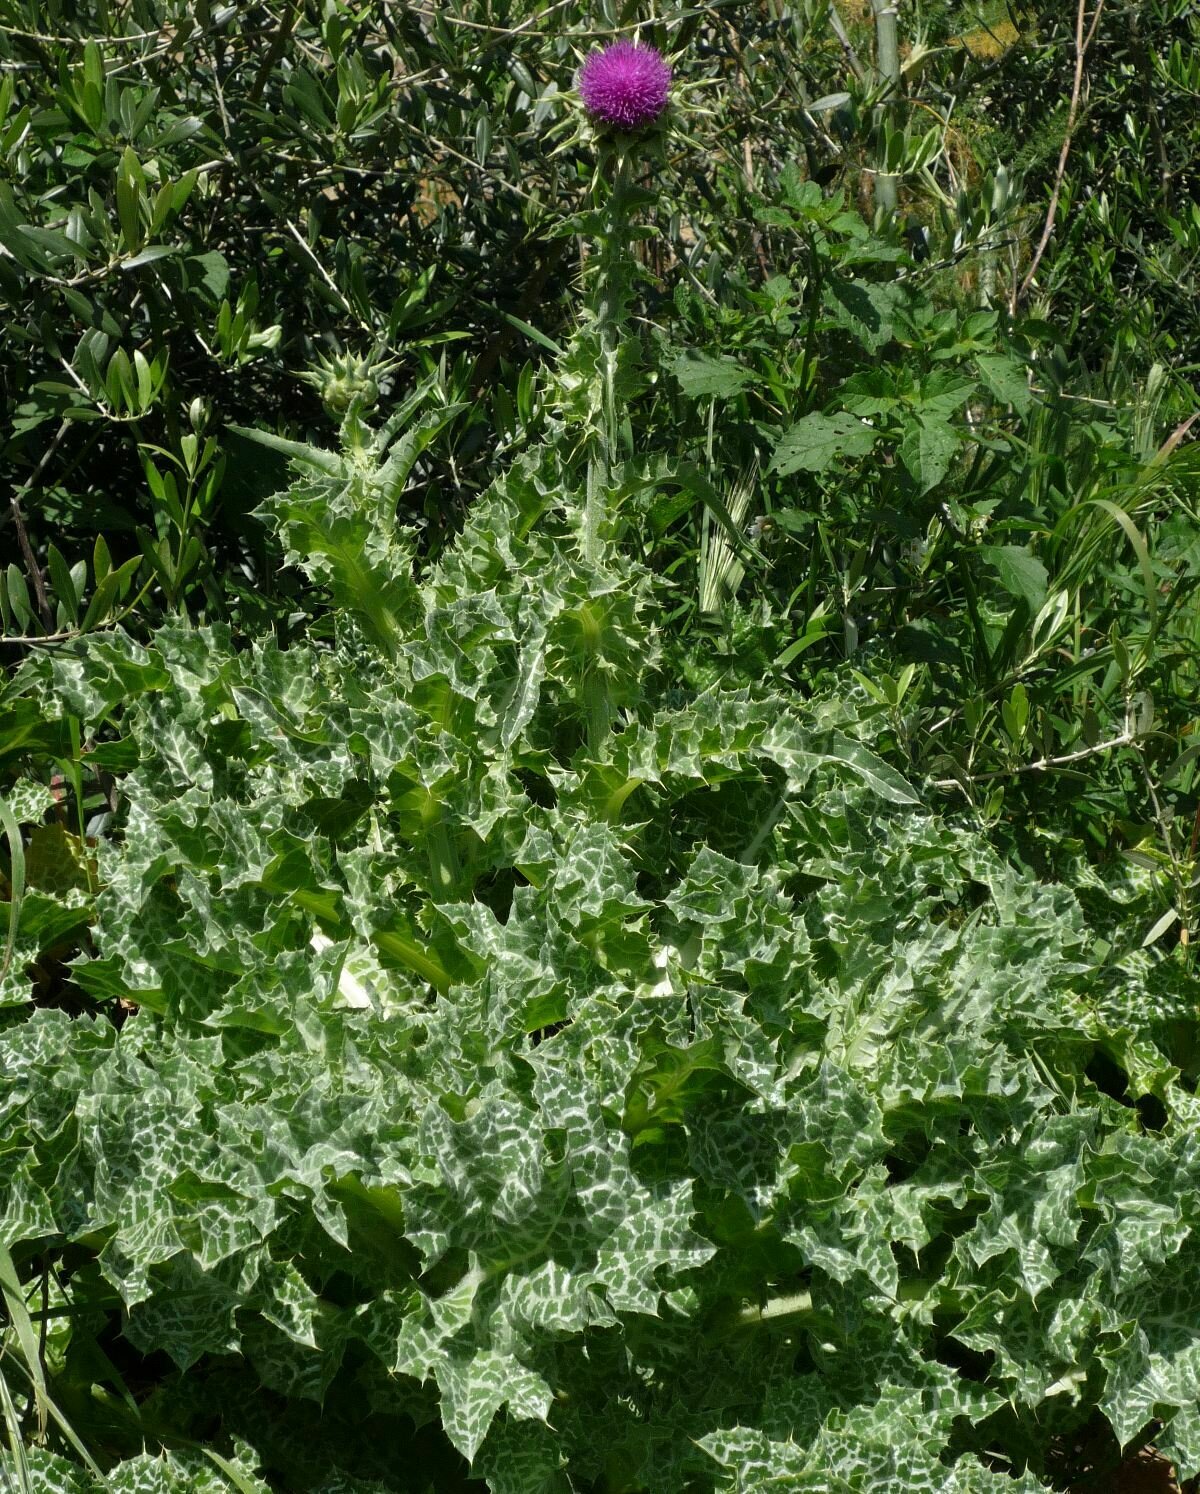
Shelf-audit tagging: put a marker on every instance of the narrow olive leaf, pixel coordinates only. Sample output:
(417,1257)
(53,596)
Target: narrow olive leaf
(1161,926)
(533,333)
(128,206)
(110,591)
(148,256)
(17,597)
(101,559)
(828,101)
(1015,712)
(64,586)
(1189,755)
(816,631)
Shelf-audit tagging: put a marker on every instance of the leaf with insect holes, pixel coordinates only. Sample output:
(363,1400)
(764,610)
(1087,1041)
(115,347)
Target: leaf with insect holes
(702,377)
(1020,572)
(927,449)
(814,443)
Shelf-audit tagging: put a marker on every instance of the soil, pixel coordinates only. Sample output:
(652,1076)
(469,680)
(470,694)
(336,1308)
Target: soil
(1145,1473)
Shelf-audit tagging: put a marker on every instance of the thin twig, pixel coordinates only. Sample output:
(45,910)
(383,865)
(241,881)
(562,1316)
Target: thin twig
(79,41)
(32,569)
(1082,43)
(55,443)
(86,277)
(68,634)
(1124,740)
(748,163)
(275,51)
(507,31)
(575,32)
(327,277)
(227,128)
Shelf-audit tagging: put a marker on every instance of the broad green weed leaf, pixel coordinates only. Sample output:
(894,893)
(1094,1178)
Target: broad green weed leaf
(1021,573)
(927,449)
(865,308)
(1006,379)
(814,443)
(701,377)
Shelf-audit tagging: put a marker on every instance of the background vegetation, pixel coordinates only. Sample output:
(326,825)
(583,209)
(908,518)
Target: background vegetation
(298,377)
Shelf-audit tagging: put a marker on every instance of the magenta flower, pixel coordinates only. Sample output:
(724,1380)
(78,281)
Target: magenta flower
(625,85)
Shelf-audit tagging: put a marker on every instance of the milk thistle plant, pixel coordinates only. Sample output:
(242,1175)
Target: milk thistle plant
(418,1084)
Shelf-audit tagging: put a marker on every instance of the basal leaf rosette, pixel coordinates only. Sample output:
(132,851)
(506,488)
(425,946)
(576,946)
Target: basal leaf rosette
(497,1061)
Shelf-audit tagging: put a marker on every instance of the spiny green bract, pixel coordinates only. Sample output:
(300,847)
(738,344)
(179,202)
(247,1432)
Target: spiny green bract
(697,1114)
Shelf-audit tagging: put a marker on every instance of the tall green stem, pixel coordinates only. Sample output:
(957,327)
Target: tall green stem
(610,316)
(812,291)
(443,858)
(887,65)
(611,304)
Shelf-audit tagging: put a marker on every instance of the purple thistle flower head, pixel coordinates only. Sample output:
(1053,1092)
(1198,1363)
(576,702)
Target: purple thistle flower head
(625,85)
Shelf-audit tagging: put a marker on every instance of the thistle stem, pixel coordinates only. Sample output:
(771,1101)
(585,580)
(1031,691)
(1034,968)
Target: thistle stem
(598,710)
(443,858)
(887,61)
(593,685)
(610,316)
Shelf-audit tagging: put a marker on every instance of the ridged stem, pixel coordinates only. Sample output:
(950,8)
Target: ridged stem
(887,63)
(443,858)
(593,684)
(610,316)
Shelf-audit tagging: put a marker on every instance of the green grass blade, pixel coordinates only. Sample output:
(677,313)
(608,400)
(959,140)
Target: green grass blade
(24,1483)
(69,1433)
(1136,540)
(232,1474)
(18,1316)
